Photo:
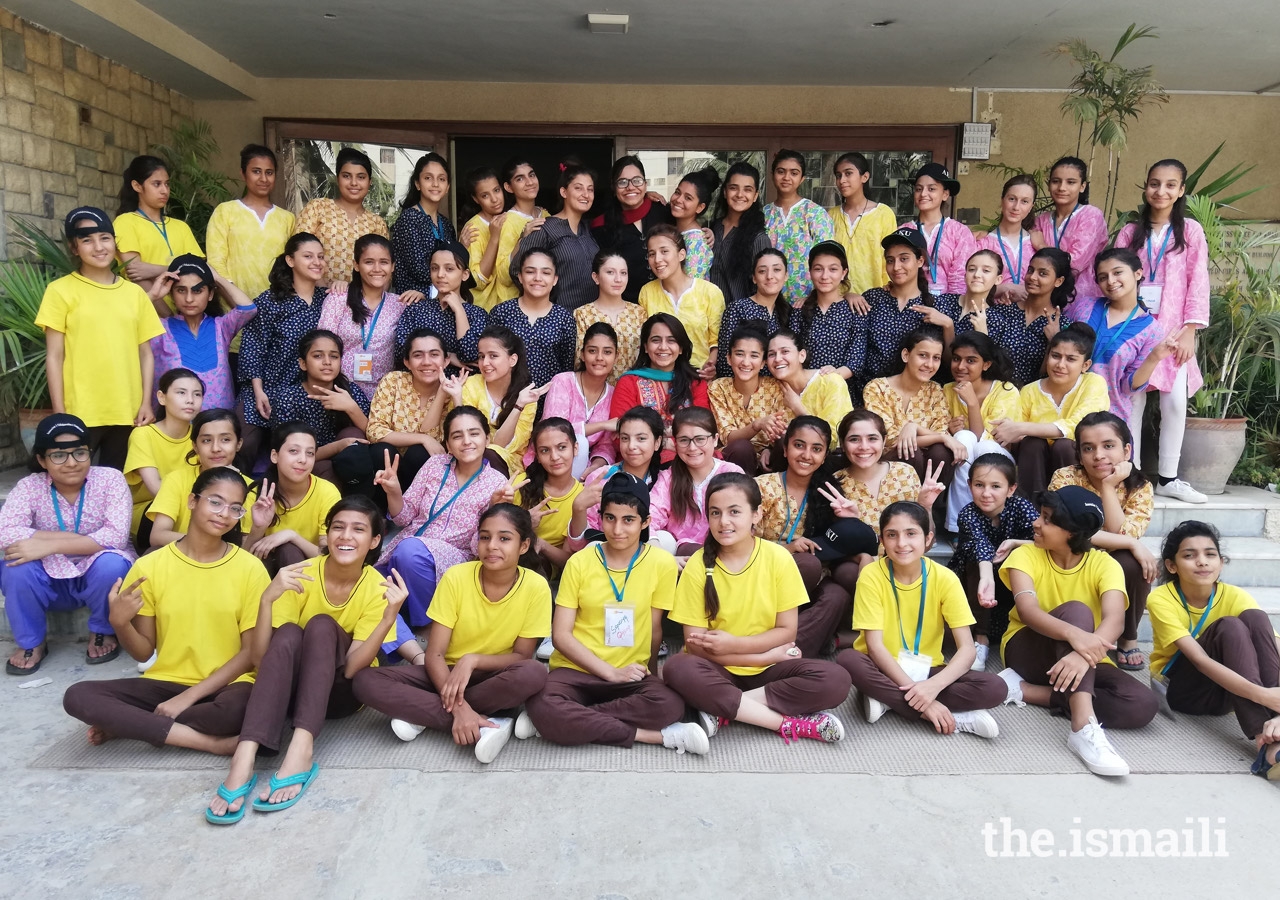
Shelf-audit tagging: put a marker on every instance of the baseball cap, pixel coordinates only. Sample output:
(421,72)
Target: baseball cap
(630,485)
(913,237)
(101,222)
(55,426)
(842,539)
(938,172)
(1081,504)
(190,264)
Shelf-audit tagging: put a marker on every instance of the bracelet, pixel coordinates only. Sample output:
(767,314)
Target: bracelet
(1027,591)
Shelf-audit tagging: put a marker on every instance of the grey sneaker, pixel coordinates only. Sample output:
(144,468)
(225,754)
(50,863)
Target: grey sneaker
(1180,490)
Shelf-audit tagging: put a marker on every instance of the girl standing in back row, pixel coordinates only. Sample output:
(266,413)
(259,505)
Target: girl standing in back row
(421,228)
(949,242)
(860,223)
(146,238)
(795,224)
(245,236)
(1014,238)
(339,222)
(1073,226)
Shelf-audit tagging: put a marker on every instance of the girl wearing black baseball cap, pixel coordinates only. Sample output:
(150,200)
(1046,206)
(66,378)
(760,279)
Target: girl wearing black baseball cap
(950,243)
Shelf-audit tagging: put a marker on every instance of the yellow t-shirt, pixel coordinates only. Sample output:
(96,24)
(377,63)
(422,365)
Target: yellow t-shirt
(103,326)
(584,586)
(484,291)
(358,617)
(554,526)
(699,309)
(1089,395)
(1002,402)
(307,518)
(750,600)
(201,609)
(484,626)
(1170,621)
(1092,577)
(149,447)
(171,499)
(474,393)
(827,397)
(242,247)
(508,242)
(155,242)
(877,608)
(862,244)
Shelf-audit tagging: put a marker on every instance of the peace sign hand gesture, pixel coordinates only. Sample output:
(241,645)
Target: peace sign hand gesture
(335,399)
(388,476)
(536,514)
(264,508)
(841,506)
(931,488)
(507,493)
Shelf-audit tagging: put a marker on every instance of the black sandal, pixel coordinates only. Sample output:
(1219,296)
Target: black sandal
(98,641)
(26,655)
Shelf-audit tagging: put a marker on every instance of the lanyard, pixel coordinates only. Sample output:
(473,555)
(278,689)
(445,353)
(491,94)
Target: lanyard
(1195,629)
(1114,335)
(1059,234)
(799,513)
(57,511)
(1152,267)
(162,228)
(617,594)
(434,513)
(933,251)
(1015,273)
(435,231)
(924,587)
(367,336)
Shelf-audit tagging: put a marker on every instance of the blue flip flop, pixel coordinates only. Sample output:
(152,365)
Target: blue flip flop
(302,778)
(231,796)
(1264,769)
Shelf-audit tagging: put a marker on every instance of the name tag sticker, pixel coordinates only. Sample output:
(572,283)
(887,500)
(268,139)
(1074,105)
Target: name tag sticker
(1150,295)
(619,626)
(916,665)
(364,367)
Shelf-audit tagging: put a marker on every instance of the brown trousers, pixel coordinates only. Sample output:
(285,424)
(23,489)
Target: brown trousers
(743,454)
(1137,587)
(1038,460)
(406,692)
(301,674)
(576,708)
(1246,645)
(972,690)
(125,708)
(987,617)
(796,687)
(1119,701)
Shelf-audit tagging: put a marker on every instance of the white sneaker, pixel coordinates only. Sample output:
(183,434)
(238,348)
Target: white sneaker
(143,666)
(1093,748)
(1014,681)
(980,657)
(978,721)
(406,731)
(545,649)
(492,740)
(710,724)
(663,650)
(870,709)
(686,737)
(1180,490)
(524,727)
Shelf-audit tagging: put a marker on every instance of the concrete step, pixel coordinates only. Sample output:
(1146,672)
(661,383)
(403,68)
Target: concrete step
(1252,561)
(1238,512)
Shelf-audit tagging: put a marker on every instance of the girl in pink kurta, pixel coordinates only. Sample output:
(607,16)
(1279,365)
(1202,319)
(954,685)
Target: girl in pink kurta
(1175,287)
(677,522)
(584,397)
(950,242)
(365,315)
(1073,225)
(1011,238)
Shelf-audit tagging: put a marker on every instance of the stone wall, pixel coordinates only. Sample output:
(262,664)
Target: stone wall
(70,121)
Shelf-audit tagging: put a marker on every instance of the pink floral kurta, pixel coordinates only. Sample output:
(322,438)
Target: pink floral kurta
(949,253)
(565,399)
(687,531)
(108,511)
(335,316)
(450,537)
(1082,235)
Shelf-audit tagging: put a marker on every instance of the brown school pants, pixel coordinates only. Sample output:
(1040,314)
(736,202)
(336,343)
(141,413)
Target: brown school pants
(406,692)
(744,455)
(301,674)
(576,708)
(1038,460)
(986,616)
(1246,645)
(796,687)
(1119,701)
(125,708)
(1137,587)
(972,690)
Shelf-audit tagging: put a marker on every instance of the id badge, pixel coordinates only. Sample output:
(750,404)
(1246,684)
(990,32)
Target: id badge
(916,665)
(935,288)
(619,626)
(364,367)
(1149,294)
(1160,687)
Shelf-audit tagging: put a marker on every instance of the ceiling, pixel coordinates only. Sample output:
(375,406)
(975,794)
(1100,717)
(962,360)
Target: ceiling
(1227,45)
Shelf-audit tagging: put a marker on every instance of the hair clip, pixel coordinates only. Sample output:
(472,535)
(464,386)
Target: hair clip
(563,167)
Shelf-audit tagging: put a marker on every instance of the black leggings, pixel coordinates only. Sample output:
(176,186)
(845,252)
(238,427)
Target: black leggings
(355,467)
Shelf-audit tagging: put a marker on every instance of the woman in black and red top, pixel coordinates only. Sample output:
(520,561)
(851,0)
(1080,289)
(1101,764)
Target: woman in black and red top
(629,214)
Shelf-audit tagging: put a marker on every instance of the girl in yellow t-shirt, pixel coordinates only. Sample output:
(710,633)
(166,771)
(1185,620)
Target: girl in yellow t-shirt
(1213,648)
(292,502)
(905,603)
(146,237)
(737,600)
(607,628)
(1068,611)
(698,304)
(806,392)
(215,438)
(193,604)
(320,622)
(550,494)
(157,449)
(487,618)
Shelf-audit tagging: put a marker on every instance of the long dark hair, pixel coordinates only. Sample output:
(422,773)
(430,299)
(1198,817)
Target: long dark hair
(355,290)
(1061,262)
(535,491)
(684,375)
(1080,166)
(809,308)
(653,421)
(613,208)
(349,156)
(452,248)
(524,528)
(750,224)
(683,503)
(596,329)
(1108,419)
(250,152)
(361,504)
(520,378)
(412,195)
(280,281)
(140,169)
(818,509)
(206,417)
(1127,256)
(924,332)
(208,479)
(278,436)
(704,181)
(1189,528)
(711,547)
(467,205)
(168,378)
(922,274)
(1001,368)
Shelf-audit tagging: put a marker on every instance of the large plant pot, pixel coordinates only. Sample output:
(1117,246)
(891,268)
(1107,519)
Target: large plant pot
(29,419)
(1210,451)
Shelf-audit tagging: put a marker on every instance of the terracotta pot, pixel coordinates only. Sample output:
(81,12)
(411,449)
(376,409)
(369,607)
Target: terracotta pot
(29,419)
(1210,451)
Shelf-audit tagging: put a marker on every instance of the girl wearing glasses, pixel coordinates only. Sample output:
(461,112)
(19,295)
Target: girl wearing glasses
(65,533)
(627,218)
(676,520)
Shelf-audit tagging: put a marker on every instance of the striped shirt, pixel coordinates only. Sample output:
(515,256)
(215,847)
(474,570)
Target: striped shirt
(573,253)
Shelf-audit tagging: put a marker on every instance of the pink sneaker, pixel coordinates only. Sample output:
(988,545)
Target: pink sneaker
(822,727)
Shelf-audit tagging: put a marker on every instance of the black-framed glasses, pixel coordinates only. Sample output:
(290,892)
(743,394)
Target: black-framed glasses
(217,505)
(60,457)
(697,440)
(637,181)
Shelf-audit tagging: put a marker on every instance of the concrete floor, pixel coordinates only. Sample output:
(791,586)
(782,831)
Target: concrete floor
(142,834)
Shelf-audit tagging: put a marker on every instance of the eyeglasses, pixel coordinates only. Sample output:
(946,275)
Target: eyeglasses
(217,505)
(59,457)
(697,440)
(637,181)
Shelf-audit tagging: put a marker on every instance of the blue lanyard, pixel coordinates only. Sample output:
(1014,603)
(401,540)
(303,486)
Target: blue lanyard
(1152,267)
(1058,235)
(435,231)
(1114,335)
(1015,273)
(924,587)
(434,513)
(53,495)
(799,513)
(1195,629)
(617,594)
(160,227)
(933,252)
(367,336)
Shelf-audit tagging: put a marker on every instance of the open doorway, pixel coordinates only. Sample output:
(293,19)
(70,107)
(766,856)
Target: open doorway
(544,154)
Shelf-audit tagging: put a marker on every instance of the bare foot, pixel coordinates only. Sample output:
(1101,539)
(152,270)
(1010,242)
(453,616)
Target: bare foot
(98,737)
(224,746)
(239,774)
(297,759)
(20,659)
(107,646)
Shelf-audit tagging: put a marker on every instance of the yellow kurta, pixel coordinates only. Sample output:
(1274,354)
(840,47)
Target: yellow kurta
(508,239)
(732,413)
(242,247)
(827,397)
(699,309)
(1002,402)
(862,245)
(928,408)
(484,291)
(474,393)
(1088,395)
